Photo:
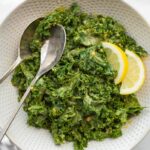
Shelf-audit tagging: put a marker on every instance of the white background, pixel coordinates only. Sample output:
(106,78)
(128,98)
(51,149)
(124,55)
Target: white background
(142,6)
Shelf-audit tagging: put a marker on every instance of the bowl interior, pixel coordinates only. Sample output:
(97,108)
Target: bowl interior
(29,138)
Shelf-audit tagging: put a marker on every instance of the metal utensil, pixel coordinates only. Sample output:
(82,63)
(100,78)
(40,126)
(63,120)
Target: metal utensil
(7,144)
(51,53)
(23,50)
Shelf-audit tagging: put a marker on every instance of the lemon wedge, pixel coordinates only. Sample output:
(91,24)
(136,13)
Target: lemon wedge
(135,76)
(118,59)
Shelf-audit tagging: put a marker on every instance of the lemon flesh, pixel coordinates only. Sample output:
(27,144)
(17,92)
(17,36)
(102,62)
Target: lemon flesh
(135,76)
(118,59)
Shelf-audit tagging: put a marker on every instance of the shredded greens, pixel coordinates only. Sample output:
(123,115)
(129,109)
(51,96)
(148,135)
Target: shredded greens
(77,101)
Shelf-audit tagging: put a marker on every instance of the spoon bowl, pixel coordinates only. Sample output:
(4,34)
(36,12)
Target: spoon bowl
(24,50)
(55,47)
(27,37)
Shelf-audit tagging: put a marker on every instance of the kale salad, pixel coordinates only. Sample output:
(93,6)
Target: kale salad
(77,100)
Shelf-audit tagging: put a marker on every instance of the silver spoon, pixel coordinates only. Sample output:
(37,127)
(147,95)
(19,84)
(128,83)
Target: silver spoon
(23,50)
(51,53)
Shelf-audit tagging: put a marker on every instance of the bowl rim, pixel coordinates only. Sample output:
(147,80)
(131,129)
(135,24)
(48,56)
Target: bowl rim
(123,2)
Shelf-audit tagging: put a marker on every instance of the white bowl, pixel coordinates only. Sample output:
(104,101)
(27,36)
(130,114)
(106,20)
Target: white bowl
(30,138)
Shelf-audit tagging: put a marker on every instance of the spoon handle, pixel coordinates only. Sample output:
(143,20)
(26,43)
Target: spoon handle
(4,130)
(12,67)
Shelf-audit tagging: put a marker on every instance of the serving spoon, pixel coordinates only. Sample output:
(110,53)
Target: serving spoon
(23,50)
(51,53)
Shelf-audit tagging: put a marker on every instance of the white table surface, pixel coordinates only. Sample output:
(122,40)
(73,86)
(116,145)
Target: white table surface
(142,6)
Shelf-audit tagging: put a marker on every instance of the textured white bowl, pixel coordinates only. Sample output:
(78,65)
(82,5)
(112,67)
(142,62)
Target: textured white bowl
(29,138)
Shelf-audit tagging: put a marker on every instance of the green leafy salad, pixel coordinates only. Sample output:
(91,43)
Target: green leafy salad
(78,101)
